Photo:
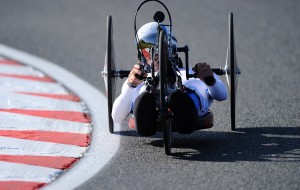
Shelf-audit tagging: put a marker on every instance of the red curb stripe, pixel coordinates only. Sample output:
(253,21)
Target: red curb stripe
(70,97)
(10,62)
(56,162)
(20,185)
(62,115)
(49,136)
(28,77)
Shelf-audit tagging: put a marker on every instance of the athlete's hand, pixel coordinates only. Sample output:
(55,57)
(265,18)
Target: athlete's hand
(204,73)
(133,75)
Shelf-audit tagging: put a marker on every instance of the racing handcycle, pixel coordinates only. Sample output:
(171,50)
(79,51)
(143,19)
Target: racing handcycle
(167,80)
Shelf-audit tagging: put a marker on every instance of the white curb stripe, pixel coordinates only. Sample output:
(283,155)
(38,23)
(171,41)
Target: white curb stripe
(9,121)
(24,101)
(20,70)
(14,84)
(23,172)
(14,146)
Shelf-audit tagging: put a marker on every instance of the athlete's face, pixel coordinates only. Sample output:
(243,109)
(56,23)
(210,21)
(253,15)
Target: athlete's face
(148,58)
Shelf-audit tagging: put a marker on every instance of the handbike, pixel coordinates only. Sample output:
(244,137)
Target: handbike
(167,80)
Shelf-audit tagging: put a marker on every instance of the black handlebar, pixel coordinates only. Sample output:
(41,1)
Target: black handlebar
(120,73)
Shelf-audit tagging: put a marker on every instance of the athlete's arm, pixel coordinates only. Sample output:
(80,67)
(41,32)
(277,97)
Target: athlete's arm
(218,91)
(216,87)
(122,105)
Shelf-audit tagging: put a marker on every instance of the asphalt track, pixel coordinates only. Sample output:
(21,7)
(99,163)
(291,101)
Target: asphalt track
(264,153)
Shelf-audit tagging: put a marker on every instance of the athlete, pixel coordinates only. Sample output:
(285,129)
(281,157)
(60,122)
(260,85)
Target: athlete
(186,106)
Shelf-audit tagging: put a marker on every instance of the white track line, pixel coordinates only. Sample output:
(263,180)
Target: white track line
(13,171)
(103,145)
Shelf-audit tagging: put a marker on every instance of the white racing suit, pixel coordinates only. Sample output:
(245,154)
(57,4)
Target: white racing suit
(202,96)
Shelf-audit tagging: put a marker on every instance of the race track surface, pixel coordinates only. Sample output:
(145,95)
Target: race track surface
(264,152)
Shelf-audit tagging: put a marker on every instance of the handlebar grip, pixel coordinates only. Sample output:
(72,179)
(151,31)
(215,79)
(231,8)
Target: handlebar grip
(209,80)
(140,77)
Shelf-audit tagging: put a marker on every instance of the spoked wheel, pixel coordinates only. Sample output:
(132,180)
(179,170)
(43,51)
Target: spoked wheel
(164,114)
(232,71)
(109,70)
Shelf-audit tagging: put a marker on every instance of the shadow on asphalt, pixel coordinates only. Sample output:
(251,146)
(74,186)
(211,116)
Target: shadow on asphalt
(127,132)
(133,133)
(249,144)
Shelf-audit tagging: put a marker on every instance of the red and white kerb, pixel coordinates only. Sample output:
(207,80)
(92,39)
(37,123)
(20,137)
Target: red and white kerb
(44,128)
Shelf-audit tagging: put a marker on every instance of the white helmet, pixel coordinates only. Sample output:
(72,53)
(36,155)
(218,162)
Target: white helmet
(146,35)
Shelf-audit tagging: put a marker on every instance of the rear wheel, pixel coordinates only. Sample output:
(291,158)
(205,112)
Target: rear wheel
(232,71)
(109,68)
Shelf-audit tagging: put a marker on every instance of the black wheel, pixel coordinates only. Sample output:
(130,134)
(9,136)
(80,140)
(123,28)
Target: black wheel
(108,71)
(232,71)
(167,136)
(163,79)
(163,60)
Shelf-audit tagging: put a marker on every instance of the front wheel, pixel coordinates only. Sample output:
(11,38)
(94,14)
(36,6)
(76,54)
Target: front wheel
(163,61)
(167,136)
(163,79)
